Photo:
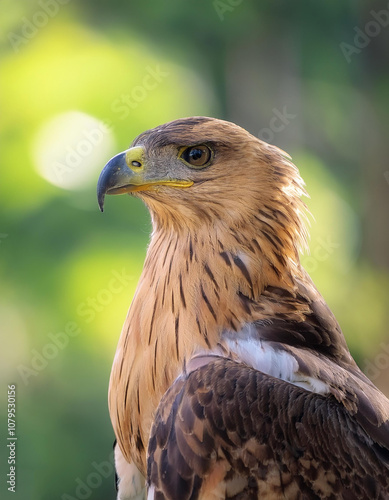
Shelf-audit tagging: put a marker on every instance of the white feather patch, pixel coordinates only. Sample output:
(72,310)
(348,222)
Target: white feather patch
(260,355)
(131,482)
(150,495)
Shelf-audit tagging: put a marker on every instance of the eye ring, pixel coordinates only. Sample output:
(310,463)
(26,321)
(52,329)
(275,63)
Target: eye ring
(199,156)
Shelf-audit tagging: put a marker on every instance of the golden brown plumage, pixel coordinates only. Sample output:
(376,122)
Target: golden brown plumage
(223,291)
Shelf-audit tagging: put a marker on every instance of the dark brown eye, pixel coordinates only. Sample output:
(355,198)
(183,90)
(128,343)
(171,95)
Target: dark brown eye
(197,156)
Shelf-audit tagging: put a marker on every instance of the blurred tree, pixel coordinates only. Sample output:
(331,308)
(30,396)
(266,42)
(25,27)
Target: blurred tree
(279,69)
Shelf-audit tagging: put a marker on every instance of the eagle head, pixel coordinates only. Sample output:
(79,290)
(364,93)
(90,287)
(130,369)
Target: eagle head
(200,170)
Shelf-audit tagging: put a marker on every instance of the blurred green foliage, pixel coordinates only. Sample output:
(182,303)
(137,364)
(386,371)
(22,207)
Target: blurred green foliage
(60,258)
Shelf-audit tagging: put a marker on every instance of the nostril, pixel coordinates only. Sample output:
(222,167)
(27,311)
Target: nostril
(136,164)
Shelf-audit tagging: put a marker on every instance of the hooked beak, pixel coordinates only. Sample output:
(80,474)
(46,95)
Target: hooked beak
(117,177)
(126,173)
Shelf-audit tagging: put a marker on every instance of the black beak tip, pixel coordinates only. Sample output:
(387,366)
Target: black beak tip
(110,177)
(103,185)
(100,201)
(101,190)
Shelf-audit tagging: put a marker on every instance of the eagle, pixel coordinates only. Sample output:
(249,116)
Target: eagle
(232,378)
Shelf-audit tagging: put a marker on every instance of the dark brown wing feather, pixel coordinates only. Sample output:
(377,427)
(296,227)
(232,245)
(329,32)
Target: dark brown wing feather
(226,425)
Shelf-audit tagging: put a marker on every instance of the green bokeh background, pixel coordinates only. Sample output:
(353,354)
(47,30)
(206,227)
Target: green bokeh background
(68,64)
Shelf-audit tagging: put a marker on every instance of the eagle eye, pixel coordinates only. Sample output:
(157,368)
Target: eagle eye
(196,156)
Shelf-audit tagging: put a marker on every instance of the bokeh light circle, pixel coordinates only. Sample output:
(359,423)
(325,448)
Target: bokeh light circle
(71,149)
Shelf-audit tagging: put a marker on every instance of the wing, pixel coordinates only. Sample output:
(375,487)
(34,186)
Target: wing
(225,430)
